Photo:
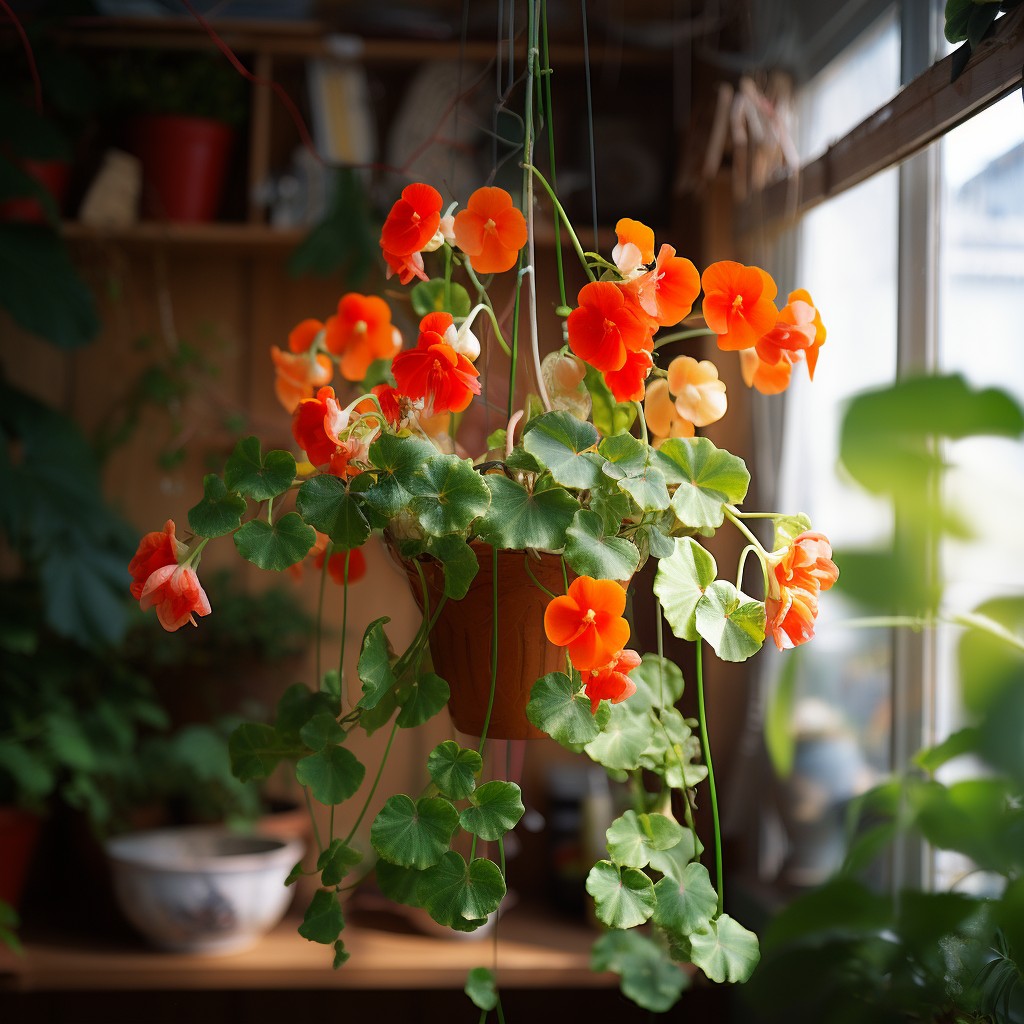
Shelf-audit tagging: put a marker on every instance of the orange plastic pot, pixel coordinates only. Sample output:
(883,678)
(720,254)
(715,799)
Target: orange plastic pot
(184,165)
(460,642)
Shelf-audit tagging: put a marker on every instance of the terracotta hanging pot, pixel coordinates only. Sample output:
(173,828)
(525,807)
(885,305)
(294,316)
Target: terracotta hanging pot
(460,642)
(19,831)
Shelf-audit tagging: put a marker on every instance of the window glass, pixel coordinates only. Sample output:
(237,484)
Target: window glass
(840,718)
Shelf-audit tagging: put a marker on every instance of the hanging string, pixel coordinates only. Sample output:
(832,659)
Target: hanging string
(590,121)
(37,85)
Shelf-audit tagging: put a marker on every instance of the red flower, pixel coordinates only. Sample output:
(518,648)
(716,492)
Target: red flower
(433,371)
(588,620)
(603,327)
(795,579)
(413,220)
(738,303)
(490,231)
(156,550)
(177,595)
(627,382)
(336,565)
(406,267)
(361,333)
(612,682)
(390,403)
(308,426)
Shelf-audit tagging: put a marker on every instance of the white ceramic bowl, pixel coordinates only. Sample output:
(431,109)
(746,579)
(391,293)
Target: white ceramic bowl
(202,889)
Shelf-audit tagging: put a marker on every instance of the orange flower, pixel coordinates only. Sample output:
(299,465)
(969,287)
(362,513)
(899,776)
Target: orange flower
(802,295)
(662,416)
(360,333)
(793,332)
(635,248)
(627,382)
(413,220)
(177,595)
(406,267)
(768,378)
(612,682)
(303,334)
(738,303)
(603,327)
(666,294)
(490,230)
(795,579)
(588,620)
(433,371)
(156,550)
(390,403)
(298,374)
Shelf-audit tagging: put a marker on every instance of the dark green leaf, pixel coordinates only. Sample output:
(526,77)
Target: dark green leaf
(590,553)
(374,665)
(323,920)
(275,546)
(648,976)
(517,519)
(332,774)
(686,903)
(635,467)
(336,861)
(255,476)
(565,446)
(256,749)
(326,504)
(447,495)
(561,710)
(219,512)
(427,695)
(460,895)
(454,769)
(623,897)
(496,808)
(481,988)
(414,835)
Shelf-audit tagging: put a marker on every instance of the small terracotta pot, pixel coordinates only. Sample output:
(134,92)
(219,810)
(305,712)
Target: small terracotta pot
(460,643)
(54,176)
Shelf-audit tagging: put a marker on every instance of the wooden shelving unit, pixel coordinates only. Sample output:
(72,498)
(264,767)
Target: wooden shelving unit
(534,951)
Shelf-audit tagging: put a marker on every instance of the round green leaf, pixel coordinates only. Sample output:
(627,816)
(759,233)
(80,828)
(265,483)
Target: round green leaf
(659,683)
(414,835)
(725,951)
(374,666)
(322,730)
(686,903)
(440,296)
(459,562)
(256,749)
(276,546)
(397,460)
(623,897)
(219,512)
(427,695)
(590,553)
(634,465)
(398,884)
(730,621)
(674,861)
(324,502)
(460,895)
(482,988)
(332,774)
(447,495)
(680,583)
(632,837)
(518,519)
(454,769)
(323,920)
(496,808)
(335,862)
(648,976)
(708,479)
(562,711)
(257,476)
(564,444)
(623,739)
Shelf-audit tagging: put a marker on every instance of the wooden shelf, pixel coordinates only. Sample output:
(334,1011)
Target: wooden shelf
(239,235)
(534,951)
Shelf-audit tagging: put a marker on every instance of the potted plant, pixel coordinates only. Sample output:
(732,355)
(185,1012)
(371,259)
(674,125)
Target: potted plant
(181,114)
(596,471)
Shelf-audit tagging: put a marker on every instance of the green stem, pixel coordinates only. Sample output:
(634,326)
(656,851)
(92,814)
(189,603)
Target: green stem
(344,617)
(743,558)
(376,782)
(732,514)
(196,553)
(536,582)
(565,221)
(513,356)
(319,624)
(550,120)
(706,744)
(312,819)
(695,332)
(643,422)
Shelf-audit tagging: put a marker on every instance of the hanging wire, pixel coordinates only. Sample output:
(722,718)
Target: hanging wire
(590,121)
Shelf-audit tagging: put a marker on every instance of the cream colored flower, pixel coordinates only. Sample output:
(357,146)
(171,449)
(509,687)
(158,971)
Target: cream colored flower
(699,394)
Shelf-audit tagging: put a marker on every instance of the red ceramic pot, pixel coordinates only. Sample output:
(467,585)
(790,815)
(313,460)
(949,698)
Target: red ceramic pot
(54,176)
(184,165)
(19,831)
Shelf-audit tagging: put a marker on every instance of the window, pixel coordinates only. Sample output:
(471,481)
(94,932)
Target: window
(920,266)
